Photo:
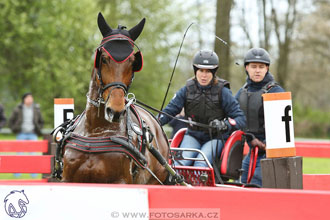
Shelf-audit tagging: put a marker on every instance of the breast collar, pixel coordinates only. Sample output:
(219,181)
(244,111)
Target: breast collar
(108,143)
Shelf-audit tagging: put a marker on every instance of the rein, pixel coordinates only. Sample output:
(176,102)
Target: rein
(189,121)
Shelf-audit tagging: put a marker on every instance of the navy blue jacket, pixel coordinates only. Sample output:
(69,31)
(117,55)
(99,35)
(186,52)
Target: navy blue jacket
(177,125)
(256,86)
(229,105)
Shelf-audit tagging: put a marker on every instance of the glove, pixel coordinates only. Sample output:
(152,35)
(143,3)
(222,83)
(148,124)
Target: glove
(256,142)
(161,119)
(219,125)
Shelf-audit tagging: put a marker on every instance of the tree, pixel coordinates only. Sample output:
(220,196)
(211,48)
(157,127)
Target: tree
(46,48)
(264,25)
(284,38)
(222,29)
(310,67)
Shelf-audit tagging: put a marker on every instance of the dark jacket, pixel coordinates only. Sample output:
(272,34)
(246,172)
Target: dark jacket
(2,117)
(16,119)
(177,125)
(229,105)
(255,87)
(203,103)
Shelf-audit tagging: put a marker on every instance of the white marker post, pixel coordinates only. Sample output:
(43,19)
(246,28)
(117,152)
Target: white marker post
(282,168)
(279,125)
(63,110)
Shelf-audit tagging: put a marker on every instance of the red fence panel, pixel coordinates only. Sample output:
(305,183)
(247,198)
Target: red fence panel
(316,181)
(24,146)
(26,164)
(313,149)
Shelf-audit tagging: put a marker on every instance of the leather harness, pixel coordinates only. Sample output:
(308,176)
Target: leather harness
(103,144)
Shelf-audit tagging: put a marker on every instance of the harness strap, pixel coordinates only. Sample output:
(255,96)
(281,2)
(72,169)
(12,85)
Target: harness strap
(115,85)
(128,124)
(65,128)
(106,144)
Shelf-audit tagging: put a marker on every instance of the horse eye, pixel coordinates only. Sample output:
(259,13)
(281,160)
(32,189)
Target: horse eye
(104,60)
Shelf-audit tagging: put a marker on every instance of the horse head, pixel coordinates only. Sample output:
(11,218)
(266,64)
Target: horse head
(115,64)
(96,151)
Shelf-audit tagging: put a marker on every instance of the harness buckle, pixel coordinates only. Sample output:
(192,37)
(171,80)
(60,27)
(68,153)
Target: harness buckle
(98,107)
(130,98)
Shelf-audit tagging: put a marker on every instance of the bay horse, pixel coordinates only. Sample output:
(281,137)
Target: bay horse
(106,143)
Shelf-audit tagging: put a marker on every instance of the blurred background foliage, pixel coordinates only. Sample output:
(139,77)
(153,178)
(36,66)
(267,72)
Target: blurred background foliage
(47,48)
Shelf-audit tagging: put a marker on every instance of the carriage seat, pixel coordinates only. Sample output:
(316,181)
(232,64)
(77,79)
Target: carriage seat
(230,158)
(178,137)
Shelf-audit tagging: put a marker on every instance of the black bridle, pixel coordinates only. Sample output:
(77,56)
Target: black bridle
(115,85)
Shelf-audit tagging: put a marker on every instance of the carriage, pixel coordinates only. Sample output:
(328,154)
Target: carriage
(224,171)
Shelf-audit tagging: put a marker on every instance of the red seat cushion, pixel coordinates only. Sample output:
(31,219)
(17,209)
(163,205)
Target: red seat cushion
(177,139)
(232,155)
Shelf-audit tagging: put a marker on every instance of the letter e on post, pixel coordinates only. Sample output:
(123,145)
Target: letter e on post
(63,111)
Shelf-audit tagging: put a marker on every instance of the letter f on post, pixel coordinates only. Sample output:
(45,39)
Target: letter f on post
(286,118)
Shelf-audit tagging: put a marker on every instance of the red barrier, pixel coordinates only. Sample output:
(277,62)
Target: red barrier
(24,146)
(23,181)
(316,181)
(313,149)
(26,164)
(318,149)
(231,203)
(246,204)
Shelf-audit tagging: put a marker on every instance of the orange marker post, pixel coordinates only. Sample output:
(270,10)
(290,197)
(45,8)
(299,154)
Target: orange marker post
(63,110)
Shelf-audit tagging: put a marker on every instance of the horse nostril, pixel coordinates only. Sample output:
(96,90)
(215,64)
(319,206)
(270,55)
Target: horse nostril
(108,111)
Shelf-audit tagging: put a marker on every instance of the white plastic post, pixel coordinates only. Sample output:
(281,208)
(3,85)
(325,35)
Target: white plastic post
(279,125)
(63,111)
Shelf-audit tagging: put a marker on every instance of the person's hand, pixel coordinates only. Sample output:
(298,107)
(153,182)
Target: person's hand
(256,142)
(219,125)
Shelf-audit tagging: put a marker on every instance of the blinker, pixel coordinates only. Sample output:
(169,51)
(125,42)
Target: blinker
(119,48)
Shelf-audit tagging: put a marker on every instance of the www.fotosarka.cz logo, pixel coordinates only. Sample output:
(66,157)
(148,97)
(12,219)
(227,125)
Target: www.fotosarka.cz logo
(15,204)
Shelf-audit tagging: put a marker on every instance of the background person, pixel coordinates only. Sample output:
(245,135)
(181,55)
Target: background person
(206,99)
(259,81)
(26,121)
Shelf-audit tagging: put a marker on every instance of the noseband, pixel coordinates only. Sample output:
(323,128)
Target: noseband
(115,85)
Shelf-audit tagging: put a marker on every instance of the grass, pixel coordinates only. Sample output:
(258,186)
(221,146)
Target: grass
(7,137)
(316,165)
(310,166)
(25,176)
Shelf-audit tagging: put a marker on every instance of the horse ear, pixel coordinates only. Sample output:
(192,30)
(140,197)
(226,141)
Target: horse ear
(134,32)
(103,25)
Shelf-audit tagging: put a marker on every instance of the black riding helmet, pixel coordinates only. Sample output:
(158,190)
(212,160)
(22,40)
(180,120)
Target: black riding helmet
(258,55)
(206,59)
